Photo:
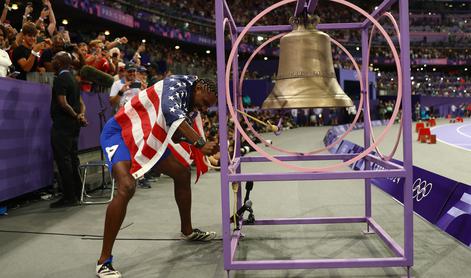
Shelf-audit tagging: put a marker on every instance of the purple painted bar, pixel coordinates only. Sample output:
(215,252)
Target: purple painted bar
(26,162)
(407,131)
(228,14)
(302,176)
(310,264)
(222,109)
(366,118)
(299,158)
(386,5)
(300,5)
(383,163)
(317,220)
(284,28)
(388,240)
(311,7)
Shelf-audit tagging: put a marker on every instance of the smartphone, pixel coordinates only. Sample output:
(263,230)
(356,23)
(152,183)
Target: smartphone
(40,40)
(14,74)
(61,29)
(29,3)
(143,41)
(135,85)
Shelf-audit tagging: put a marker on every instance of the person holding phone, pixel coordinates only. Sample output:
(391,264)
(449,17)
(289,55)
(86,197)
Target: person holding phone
(26,56)
(124,89)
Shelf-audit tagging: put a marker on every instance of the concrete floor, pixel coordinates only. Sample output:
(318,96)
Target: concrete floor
(66,242)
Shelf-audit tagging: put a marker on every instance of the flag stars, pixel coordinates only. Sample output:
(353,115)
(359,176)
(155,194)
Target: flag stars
(181,116)
(171,98)
(172,110)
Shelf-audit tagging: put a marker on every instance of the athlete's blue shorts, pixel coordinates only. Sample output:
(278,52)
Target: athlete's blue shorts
(113,145)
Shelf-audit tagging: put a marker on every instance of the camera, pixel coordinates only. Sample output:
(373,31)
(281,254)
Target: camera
(135,85)
(70,47)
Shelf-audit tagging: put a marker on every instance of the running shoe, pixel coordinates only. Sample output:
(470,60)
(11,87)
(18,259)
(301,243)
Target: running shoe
(198,235)
(106,270)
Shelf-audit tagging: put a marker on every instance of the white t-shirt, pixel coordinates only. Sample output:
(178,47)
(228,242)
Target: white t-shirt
(5,62)
(117,85)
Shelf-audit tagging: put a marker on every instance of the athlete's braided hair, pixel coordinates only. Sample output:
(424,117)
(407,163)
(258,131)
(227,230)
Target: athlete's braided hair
(208,85)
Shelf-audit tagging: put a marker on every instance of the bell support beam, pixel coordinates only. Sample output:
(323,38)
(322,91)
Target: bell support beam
(300,5)
(383,7)
(311,7)
(308,176)
(228,14)
(322,27)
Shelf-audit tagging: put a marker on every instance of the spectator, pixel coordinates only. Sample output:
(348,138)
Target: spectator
(6,8)
(26,56)
(5,61)
(98,57)
(123,90)
(47,55)
(47,13)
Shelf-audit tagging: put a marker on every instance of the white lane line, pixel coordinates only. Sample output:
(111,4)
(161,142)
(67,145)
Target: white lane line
(455,146)
(462,133)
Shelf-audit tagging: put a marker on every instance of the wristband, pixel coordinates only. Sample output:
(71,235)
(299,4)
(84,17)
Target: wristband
(36,53)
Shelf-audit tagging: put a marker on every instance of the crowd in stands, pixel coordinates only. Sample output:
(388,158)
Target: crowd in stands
(428,83)
(154,60)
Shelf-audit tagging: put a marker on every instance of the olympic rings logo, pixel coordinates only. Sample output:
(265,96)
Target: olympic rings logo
(421,189)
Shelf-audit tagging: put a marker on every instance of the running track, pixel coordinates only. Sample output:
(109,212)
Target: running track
(456,135)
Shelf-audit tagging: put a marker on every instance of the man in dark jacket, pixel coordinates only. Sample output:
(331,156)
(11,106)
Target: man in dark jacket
(68,115)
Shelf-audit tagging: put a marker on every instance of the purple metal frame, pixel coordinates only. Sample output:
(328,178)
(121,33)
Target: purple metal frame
(232,172)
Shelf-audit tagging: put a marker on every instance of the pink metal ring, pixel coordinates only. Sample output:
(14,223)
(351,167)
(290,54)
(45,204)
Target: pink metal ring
(339,139)
(398,138)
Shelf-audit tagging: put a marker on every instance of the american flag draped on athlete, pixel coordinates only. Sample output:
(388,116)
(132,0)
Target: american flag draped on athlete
(151,118)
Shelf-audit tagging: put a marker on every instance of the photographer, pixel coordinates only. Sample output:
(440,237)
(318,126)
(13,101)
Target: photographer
(68,115)
(26,56)
(27,18)
(99,57)
(46,56)
(47,13)
(123,90)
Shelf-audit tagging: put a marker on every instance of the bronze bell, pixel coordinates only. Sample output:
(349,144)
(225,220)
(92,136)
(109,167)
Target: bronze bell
(306,76)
